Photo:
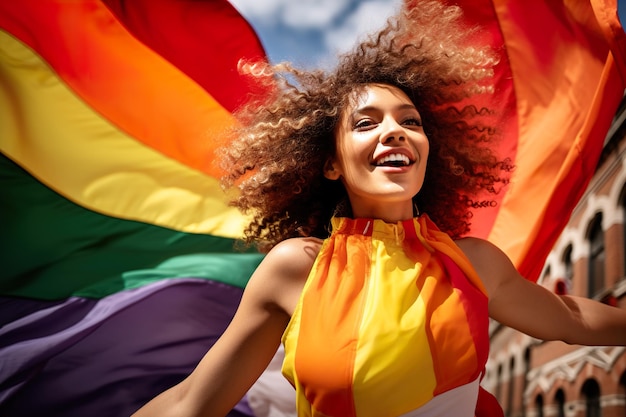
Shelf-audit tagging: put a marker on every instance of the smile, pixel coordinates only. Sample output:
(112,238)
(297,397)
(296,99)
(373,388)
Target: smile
(393,160)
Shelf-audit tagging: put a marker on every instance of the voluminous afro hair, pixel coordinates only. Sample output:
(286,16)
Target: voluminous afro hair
(277,153)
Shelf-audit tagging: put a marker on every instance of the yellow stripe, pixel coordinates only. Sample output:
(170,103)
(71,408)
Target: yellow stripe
(56,137)
(393,306)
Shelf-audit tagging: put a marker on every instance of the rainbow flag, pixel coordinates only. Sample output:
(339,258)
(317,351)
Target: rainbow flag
(118,266)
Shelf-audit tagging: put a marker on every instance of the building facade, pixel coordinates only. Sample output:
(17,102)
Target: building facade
(533,378)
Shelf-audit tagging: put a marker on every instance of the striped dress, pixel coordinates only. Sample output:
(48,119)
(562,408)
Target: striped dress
(391,317)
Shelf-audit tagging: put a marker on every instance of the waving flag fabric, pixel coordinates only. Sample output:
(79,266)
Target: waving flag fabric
(118,266)
(561,77)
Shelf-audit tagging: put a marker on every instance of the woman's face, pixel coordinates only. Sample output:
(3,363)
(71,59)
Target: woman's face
(381,153)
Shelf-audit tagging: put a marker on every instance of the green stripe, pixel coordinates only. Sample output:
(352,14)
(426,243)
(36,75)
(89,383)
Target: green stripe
(52,248)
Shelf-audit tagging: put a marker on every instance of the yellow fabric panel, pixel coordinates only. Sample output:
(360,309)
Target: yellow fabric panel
(394,306)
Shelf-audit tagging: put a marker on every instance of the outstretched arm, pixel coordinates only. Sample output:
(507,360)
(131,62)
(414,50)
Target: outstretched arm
(532,309)
(241,354)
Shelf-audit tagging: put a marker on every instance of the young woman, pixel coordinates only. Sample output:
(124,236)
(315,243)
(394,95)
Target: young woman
(359,184)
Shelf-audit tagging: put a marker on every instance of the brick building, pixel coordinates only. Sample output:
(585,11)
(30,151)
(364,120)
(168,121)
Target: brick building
(535,378)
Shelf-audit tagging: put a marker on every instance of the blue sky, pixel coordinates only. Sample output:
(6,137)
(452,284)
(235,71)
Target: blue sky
(310,33)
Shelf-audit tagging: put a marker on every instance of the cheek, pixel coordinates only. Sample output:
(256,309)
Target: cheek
(355,167)
(423,152)
(351,157)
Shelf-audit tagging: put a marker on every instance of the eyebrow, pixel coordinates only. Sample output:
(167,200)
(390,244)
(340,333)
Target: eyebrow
(404,106)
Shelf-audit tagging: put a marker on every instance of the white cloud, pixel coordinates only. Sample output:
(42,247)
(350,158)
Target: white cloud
(263,11)
(295,14)
(314,31)
(368,17)
(312,14)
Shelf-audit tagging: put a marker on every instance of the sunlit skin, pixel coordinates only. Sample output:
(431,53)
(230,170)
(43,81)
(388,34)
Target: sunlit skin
(382,152)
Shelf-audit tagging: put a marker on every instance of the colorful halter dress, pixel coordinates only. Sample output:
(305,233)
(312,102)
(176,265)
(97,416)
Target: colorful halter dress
(391,317)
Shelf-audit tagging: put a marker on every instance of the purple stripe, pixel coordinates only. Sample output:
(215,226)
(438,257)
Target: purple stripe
(88,357)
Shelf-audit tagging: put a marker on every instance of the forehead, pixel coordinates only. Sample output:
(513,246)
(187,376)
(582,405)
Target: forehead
(375,95)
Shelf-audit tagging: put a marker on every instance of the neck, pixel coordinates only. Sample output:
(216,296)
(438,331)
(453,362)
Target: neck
(388,212)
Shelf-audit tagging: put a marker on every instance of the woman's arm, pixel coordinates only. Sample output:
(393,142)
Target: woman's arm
(241,354)
(532,309)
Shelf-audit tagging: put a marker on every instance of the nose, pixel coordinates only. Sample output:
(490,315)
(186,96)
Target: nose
(392,131)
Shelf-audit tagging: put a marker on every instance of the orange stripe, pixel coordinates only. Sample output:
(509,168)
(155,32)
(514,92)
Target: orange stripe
(467,323)
(336,352)
(129,84)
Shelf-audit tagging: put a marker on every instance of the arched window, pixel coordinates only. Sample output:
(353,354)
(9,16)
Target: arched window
(559,399)
(596,257)
(591,393)
(527,366)
(568,264)
(622,390)
(499,384)
(509,404)
(539,405)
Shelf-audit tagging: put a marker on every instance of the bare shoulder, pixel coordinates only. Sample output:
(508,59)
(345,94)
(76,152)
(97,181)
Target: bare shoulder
(284,271)
(295,256)
(476,248)
(492,264)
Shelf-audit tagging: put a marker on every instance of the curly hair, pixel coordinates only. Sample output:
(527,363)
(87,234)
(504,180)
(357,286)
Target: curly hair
(278,151)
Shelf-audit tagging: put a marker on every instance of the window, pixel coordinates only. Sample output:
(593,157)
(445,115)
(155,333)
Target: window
(591,393)
(567,262)
(622,390)
(596,257)
(499,384)
(559,399)
(509,405)
(539,405)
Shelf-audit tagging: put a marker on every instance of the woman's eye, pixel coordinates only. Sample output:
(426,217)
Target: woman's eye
(412,122)
(363,124)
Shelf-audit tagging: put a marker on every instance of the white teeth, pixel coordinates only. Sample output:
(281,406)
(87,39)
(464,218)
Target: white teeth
(394,157)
